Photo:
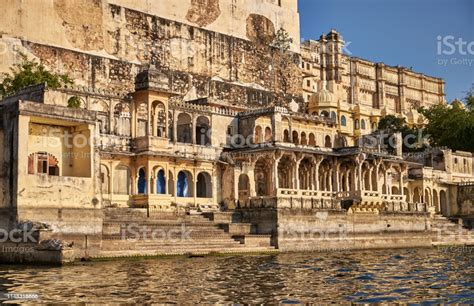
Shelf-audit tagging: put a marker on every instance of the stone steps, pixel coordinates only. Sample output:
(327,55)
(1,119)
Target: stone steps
(185,234)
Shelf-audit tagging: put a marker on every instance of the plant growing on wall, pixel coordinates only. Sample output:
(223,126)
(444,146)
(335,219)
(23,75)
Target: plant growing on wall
(74,102)
(283,61)
(29,73)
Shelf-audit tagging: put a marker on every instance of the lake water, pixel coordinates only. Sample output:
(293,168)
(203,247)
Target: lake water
(415,275)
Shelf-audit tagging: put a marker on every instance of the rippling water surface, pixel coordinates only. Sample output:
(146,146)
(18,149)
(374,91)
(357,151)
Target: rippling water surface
(417,275)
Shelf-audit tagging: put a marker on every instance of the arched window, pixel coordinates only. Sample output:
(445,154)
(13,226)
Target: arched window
(286,136)
(161,182)
(142,120)
(268,134)
(202,131)
(362,124)
(325,114)
(295,138)
(327,142)
(159,119)
(258,134)
(303,139)
(312,139)
(141,183)
(170,126)
(333,115)
(343,120)
(43,163)
(121,122)
(184,184)
(356,124)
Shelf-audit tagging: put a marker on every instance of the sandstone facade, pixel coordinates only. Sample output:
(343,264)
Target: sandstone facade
(183,110)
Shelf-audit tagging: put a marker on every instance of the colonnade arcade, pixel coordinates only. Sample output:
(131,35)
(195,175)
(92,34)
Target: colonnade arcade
(152,117)
(280,173)
(178,182)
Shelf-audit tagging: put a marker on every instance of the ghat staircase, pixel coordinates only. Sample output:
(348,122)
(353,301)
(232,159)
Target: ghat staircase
(449,232)
(135,232)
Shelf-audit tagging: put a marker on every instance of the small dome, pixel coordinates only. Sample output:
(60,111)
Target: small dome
(293,106)
(457,103)
(323,96)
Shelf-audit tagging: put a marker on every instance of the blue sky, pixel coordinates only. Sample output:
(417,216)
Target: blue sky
(401,32)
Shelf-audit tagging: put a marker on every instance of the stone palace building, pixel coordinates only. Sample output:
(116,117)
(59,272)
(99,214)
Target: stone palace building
(189,115)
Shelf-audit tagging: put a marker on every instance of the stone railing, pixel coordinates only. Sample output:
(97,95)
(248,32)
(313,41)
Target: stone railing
(348,194)
(371,194)
(393,197)
(406,207)
(262,202)
(283,192)
(293,203)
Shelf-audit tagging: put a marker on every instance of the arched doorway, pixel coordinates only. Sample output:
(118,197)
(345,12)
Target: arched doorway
(204,185)
(417,195)
(443,200)
(184,184)
(286,136)
(262,178)
(121,180)
(436,201)
(406,192)
(104,179)
(244,187)
(296,140)
(428,197)
(184,128)
(285,172)
(305,174)
(141,183)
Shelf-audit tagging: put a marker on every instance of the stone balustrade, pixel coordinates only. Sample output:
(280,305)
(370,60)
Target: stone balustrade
(283,192)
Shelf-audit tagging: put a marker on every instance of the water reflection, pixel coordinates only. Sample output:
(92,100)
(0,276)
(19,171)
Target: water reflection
(417,275)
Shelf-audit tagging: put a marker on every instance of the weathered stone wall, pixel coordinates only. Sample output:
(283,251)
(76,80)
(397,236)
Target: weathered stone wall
(67,21)
(104,45)
(313,230)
